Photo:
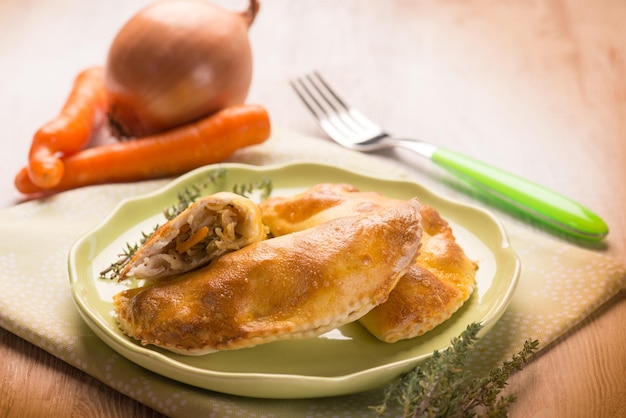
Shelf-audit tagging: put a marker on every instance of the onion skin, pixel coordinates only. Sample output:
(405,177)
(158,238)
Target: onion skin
(177,61)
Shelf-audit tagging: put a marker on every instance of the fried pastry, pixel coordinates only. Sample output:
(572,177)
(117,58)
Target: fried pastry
(439,283)
(208,228)
(297,285)
(318,204)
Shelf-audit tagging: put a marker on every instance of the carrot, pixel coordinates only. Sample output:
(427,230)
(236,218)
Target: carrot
(198,236)
(174,152)
(70,131)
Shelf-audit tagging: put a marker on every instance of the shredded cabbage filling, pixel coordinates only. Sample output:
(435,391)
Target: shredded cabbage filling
(210,236)
(204,234)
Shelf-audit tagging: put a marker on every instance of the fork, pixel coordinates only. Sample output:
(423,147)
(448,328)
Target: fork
(351,129)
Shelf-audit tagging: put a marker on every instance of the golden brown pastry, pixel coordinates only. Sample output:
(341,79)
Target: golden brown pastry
(433,289)
(208,228)
(440,282)
(318,204)
(295,286)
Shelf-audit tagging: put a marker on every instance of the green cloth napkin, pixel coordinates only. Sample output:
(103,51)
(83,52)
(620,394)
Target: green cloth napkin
(560,285)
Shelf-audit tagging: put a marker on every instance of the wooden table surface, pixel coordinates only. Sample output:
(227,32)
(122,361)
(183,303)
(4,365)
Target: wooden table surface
(538,88)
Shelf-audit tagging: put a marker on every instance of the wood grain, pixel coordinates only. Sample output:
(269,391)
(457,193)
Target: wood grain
(536,87)
(34,384)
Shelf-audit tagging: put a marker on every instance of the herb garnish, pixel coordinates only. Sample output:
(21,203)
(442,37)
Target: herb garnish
(113,271)
(186,197)
(263,186)
(443,387)
(192,193)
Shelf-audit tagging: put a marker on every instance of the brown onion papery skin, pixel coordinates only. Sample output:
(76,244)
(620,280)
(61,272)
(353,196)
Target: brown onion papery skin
(174,62)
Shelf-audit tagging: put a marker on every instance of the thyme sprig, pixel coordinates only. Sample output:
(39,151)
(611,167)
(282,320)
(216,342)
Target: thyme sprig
(186,197)
(443,387)
(191,193)
(113,271)
(263,187)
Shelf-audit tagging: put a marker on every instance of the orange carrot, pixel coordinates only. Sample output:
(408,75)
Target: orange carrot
(174,152)
(70,131)
(198,236)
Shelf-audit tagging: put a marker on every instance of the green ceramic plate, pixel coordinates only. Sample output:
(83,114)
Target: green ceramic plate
(345,360)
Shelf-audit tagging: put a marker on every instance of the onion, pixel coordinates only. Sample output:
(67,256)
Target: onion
(177,61)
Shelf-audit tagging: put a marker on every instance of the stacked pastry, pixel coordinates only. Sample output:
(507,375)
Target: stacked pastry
(334,255)
(435,286)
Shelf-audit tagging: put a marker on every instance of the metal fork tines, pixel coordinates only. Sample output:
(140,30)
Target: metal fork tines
(341,122)
(351,129)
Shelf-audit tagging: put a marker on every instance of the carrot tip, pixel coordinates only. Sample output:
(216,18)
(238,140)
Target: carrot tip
(46,174)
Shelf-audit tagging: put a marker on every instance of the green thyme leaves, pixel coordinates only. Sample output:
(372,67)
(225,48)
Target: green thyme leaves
(443,387)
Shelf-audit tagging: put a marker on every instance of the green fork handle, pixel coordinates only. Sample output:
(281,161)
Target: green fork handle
(534,200)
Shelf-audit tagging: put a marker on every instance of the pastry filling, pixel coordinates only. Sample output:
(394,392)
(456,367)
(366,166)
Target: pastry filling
(205,235)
